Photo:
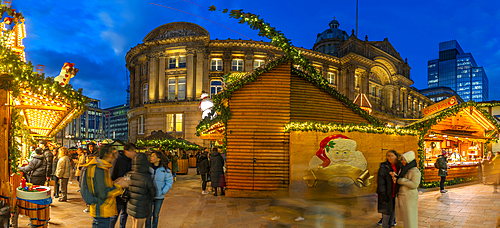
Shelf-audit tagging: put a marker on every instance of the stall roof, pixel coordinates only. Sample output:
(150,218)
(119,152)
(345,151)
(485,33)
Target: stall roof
(464,118)
(45,115)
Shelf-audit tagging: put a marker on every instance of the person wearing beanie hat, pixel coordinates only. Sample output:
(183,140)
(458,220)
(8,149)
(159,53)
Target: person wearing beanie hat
(408,180)
(442,166)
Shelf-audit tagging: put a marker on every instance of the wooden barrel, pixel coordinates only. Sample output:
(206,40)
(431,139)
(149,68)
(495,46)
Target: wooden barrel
(183,166)
(192,162)
(39,214)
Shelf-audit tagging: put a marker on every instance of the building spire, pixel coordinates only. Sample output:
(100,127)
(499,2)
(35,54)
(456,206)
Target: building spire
(357,18)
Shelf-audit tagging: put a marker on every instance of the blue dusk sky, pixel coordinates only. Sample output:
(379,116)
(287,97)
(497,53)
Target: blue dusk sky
(97,34)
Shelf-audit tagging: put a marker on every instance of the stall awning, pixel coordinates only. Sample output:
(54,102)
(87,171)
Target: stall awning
(463,120)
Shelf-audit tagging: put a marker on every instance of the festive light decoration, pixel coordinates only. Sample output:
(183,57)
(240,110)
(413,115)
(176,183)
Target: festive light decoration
(365,128)
(168,144)
(67,72)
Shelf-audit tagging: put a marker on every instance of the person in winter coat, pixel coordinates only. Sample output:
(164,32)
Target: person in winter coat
(386,189)
(204,168)
(142,191)
(49,158)
(57,187)
(121,166)
(101,187)
(407,197)
(63,172)
(79,163)
(442,166)
(37,167)
(163,180)
(217,172)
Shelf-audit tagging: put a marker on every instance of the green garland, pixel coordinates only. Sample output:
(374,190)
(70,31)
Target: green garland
(18,76)
(458,180)
(329,127)
(167,144)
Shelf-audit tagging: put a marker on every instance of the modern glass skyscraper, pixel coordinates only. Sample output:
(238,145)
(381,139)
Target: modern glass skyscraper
(459,71)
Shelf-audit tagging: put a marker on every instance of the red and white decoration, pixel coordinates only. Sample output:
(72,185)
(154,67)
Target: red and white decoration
(206,105)
(67,72)
(338,149)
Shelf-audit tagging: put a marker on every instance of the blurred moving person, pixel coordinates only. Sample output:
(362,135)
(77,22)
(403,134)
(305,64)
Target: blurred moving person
(79,164)
(53,176)
(495,171)
(163,180)
(217,172)
(142,191)
(407,197)
(387,190)
(204,168)
(63,172)
(121,166)
(49,159)
(442,166)
(98,190)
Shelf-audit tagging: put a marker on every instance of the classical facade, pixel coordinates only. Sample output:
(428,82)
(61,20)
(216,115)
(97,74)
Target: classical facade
(177,61)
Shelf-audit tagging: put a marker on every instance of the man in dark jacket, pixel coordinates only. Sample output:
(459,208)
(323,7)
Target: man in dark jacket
(442,166)
(49,158)
(121,166)
(142,190)
(387,189)
(204,168)
(217,171)
(52,175)
(37,167)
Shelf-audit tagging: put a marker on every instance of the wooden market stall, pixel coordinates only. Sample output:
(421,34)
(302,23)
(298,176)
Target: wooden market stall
(32,107)
(257,152)
(462,132)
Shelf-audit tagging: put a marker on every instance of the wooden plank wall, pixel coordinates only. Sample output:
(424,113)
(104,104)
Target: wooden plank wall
(310,103)
(256,131)
(4,138)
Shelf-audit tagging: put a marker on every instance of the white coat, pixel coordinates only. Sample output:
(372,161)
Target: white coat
(407,198)
(63,168)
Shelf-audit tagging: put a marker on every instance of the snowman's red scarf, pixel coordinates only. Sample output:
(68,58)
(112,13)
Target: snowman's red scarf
(321,153)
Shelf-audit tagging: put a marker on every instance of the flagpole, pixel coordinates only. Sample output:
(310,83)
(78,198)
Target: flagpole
(356,18)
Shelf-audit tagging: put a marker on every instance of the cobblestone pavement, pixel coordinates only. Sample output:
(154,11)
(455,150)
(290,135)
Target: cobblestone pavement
(184,206)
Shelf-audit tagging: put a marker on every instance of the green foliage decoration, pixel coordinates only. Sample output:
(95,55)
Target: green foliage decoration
(167,144)
(458,180)
(364,128)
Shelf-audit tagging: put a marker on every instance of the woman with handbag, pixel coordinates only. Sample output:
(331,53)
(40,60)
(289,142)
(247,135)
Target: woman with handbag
(204,168)
(217,171)
(142,191)
(163,180)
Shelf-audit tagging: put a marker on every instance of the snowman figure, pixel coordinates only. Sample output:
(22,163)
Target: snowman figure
(67,72)
(206,105)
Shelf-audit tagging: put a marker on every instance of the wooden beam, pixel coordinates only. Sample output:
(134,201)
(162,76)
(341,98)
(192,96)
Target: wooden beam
(41,107)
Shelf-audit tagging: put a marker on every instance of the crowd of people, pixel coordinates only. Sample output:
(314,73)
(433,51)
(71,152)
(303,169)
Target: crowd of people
(114,184)
(211,169)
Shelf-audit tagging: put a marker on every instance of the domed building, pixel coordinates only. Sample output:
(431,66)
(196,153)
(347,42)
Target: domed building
(178,61)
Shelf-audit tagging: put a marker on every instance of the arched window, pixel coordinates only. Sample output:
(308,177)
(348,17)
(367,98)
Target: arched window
(215,87)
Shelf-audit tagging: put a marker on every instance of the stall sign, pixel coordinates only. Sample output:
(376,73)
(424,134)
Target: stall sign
(452,101)
(212,136)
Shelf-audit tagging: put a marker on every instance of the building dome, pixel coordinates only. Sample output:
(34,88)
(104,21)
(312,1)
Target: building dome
(329,40)
(333,32)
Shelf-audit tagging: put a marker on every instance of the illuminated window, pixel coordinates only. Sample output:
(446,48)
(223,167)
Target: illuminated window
(356,81)
(257,63)
(171,89)
(181,88)
(174,122)
(182,62)
(373,90)
(171,63)
(380,93)
(145,93)
(215,87)
(216,65)
(331,78)
(141,124)
(237,65)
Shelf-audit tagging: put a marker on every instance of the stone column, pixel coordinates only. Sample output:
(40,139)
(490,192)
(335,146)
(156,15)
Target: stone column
(398,98)
(132,86)
(349,83)
(190,75)
(137,85)
(226,62)
(153,79)
(161,79)
(248,62)
(199,71)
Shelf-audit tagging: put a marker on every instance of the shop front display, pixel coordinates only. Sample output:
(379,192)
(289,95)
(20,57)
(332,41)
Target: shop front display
(461,133)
